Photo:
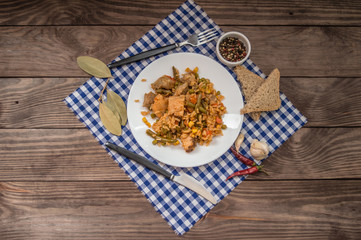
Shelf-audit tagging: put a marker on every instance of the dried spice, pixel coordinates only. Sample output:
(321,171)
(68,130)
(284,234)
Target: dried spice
(110,120)
(119,105)
(248,171)
(94,67)
(232,49)
(113,112)
(111,105)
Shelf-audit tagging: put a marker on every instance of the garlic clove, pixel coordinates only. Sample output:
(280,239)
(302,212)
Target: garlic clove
(259,150)
(238,142)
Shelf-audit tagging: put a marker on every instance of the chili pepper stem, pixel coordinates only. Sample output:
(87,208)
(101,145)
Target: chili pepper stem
(262,170)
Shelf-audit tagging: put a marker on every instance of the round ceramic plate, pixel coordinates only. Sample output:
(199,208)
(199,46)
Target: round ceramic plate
(223,82)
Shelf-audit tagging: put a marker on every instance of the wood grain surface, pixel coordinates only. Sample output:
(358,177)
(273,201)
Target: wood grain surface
(73,154)
(113,210)
(316,51)
(38,102)
(242,12)
(57,182)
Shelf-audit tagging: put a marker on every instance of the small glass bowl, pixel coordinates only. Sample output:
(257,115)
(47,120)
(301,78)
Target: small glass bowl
(243,39)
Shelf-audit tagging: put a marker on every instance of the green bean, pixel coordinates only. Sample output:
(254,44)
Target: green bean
(154,142)
(175,73)
(165,140)
(182,125)
(198,115)
(201,109)
(192,105)
(204,104)
(151,133)
(198,105)
(163,91)
(224,126)
(178,129)
(160,139)
(199,100)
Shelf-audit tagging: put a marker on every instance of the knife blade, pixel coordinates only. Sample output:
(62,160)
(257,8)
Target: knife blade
(182,179)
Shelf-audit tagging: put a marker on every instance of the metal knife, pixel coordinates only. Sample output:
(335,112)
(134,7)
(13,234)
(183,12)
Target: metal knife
(183,179)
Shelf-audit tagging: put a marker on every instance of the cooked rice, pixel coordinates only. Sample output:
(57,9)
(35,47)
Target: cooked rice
(201,120)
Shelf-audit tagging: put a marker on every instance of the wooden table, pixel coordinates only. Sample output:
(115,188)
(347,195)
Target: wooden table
(56,182)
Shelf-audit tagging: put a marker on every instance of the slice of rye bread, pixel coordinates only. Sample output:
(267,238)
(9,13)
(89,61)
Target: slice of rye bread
(250,83)
(267,97)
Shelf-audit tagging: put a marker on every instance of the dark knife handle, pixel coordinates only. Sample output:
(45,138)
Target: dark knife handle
(139,159)
(143,55)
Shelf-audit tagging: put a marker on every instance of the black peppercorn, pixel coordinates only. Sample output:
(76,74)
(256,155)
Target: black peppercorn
(232,49)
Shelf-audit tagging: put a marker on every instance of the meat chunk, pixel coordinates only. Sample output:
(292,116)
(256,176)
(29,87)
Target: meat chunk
(188,143)
(189,78)
(160,105)
(165,82)
(158,125)
(176,105)
(148,99)
(213,99)
(181,89)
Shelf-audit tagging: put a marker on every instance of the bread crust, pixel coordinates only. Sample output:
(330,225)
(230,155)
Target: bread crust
(267,96)
(250,83)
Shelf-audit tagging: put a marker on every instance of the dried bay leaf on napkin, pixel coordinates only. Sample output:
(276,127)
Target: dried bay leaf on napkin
(111,105)
(94,67)
(113,112)
(110,120)
(119,105)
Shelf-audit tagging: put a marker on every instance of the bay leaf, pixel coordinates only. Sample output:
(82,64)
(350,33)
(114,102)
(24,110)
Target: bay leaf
(119,104)
(94,67)
(111,105)
(110,120)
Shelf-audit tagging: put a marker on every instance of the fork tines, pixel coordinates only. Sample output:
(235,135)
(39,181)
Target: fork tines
(207,35)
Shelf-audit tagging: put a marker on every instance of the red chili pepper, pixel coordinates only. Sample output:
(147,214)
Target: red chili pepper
(246,171)
(242,158)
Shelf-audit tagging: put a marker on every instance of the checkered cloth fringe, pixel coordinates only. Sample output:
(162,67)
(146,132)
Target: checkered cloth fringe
(180,207)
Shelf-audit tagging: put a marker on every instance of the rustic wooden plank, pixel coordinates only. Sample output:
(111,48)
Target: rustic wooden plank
(305,51)
(63,154)
(326,102)
(81,12)
(104,210)
(66,186)
(73,154)
(37,102)
(52,51)
(295,50)
(317,153)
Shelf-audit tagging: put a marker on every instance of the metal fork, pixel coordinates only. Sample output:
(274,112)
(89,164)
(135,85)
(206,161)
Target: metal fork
(194,40)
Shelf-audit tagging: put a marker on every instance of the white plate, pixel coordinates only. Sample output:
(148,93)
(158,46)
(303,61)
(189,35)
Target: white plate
(223,81)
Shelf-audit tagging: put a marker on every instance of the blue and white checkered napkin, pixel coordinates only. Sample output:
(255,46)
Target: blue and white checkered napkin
(180,207)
